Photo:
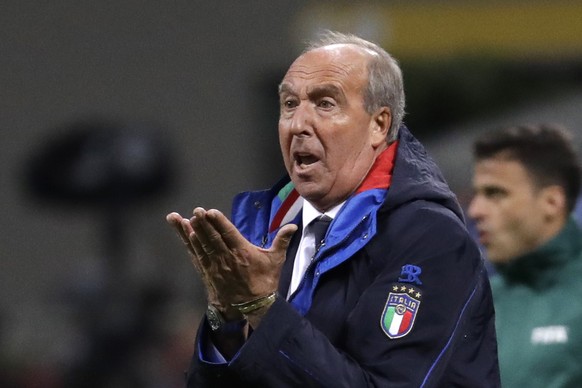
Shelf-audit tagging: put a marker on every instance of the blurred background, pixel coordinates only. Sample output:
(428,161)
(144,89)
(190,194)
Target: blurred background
(113,114)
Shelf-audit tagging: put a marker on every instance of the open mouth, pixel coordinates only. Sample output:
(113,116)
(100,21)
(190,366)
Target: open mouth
(304,160)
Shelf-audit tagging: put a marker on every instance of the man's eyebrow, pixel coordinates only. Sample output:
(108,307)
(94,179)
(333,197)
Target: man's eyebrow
(317,90)
(285,88)
(325,90)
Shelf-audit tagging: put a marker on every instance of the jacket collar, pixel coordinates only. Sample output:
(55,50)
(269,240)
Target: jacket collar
(287,204)
(543,266)
(416,176)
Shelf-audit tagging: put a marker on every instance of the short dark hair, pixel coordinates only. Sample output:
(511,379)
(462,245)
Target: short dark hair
(546,151)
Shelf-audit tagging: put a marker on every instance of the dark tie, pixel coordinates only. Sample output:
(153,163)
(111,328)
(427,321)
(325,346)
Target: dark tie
(319,227)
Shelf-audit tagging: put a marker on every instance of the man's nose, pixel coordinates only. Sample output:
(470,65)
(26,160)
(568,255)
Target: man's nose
(475,209)
(302,121)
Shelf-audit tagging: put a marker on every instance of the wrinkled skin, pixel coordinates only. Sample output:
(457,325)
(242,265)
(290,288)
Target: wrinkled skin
(329,143)
(328,140)
(233,270)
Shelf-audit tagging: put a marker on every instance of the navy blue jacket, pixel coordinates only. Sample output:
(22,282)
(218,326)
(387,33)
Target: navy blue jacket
(397,297)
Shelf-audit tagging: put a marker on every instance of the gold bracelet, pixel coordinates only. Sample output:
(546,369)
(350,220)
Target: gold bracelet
(255,304)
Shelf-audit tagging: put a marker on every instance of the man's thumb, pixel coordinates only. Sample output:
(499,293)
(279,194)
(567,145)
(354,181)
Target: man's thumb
(283,237)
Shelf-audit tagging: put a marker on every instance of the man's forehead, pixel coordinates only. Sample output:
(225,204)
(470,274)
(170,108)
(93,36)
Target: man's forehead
(329,64)
(330,88)
(320,70)
(506,170)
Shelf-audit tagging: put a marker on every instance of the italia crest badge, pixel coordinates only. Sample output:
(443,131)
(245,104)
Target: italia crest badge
(400,311)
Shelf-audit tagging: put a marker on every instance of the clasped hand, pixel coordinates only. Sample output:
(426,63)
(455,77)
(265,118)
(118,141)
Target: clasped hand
(232,269)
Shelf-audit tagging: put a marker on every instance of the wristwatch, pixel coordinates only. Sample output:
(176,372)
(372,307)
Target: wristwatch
(217,322)
(214,318)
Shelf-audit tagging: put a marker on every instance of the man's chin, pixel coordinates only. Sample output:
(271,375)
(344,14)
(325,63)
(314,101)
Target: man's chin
(312,193)
(497,258)
(309,192)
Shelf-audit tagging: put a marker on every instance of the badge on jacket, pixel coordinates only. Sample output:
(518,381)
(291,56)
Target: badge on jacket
(400,310)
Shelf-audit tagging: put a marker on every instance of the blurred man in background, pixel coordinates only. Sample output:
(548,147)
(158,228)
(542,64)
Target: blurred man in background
(526,182)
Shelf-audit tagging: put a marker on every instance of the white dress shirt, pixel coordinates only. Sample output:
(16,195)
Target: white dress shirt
(306,248)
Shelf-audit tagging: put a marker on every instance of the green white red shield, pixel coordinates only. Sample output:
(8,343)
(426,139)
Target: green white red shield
(399,314)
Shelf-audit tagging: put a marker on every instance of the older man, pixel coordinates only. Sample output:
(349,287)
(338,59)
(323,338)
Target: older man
(356,270)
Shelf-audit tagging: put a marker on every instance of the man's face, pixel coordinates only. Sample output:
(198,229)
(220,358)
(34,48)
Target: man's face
(507,208)
(328,140)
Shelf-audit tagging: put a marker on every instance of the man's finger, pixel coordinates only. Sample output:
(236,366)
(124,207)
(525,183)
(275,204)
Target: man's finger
(199,251)
(283,238)
(209,238)
(175,220)
(229,233)
(181,227)
(185,231)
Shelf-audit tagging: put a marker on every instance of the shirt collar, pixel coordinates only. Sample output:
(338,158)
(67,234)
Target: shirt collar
(309,213)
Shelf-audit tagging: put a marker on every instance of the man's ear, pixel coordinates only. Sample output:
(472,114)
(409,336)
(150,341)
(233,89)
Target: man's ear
(382,120)
(554,201)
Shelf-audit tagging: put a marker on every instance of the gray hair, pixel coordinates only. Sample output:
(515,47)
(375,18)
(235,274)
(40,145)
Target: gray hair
(385,85)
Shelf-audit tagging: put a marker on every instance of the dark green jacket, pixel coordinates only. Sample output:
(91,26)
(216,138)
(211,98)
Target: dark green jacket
(539,314)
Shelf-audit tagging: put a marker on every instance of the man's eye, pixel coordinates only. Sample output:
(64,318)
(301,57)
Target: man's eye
(494,193)
(326,104)
(289,104)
